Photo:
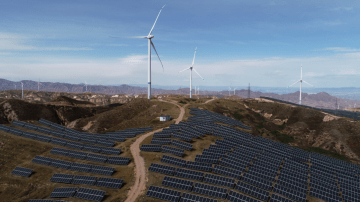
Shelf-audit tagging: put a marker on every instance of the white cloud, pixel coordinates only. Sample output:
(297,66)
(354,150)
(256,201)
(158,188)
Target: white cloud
(338,49)
(11,42)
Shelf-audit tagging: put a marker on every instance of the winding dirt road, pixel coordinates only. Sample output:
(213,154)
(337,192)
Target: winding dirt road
(140,170)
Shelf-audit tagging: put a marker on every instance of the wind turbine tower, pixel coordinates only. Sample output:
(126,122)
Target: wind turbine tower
(22,90)
(192,68)
(85,86)
(150,43)
(229,90)
(300,85)
(234,91)
(39,85)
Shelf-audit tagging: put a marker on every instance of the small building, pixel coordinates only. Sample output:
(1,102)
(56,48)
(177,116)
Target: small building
(165,118)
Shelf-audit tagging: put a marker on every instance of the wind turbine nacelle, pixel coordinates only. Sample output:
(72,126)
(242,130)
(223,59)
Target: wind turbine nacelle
(150,36)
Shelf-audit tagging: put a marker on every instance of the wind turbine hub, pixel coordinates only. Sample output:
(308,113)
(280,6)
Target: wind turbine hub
(150,36)
(191,68)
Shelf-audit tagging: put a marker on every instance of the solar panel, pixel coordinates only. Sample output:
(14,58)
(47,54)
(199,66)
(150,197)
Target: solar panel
(236,197)
(113,151)
(63,178)
(173,160)
(60,164)
(213,159)
(172,150)
(59,151)
(82,179)
(182,145)
(189,174)
(277,198)
(292,194)
(75,145)
(106,143)
(160,141)
(25,172)
(88,140)
(150,147)
(226,171)
(42,160)
(118,160)
(77,154)
(96,157)
(168,170)
(258,182)
(58,141)
(109,182)
(186,197)
(43,138)
(199,166)
(29,135)
(80,167)
(90,194)
(102,170)
(217,192)
(162,193)
(63,192)
(177,183)
(252,191)
(92,148)
(219,180)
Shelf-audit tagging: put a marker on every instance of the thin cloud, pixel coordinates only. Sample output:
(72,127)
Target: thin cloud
(341,9)
(338,49)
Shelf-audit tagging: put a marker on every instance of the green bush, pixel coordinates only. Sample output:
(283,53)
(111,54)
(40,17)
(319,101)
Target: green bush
(284,138)
(237,116)
(182,102)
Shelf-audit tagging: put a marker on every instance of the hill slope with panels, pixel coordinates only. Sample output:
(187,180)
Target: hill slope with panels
(73,159)
(241,167)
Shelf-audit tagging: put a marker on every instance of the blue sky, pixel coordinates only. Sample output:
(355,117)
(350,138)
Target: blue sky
(240,41)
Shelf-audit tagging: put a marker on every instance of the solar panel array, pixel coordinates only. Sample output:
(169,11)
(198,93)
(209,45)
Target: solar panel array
(213,191)
(160,141)
(73,166)
(168,170)
(172,150)
(182,145)
(25,172)
(58,141)
(150,147)
(63,192)
(174,161)
(162,193)
(90,194)
(177,183)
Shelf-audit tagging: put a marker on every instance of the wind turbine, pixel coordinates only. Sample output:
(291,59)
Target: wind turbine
(300,85)
(198,90)
(15,86)
(22,90)
(230,90)
(85,86)
(150,43)
(39,85)
(192,68)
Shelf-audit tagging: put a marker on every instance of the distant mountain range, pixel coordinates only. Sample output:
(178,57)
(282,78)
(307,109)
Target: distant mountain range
(318,99)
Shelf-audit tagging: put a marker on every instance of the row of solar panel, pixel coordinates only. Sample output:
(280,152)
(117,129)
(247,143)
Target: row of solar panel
(160,148)
(87,180)
(62,142)
(73,166)
(82,193)
(90,156)
(66,135)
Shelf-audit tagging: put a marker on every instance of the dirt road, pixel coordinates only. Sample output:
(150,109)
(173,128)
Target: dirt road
(140,170)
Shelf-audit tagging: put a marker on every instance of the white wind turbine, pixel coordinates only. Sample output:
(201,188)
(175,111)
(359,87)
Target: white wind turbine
(229,90)
(150,43)
(39,85)
(300,85)
(85,86)
(22,90)
(192,68)
(234,91)
(198,90)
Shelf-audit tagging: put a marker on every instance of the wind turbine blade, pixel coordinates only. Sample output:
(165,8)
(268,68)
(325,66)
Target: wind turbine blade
(155,21)
(184,70)
(128,37)
(307,83)
(157,54)
(194,58)
(295,83)
(198,73)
